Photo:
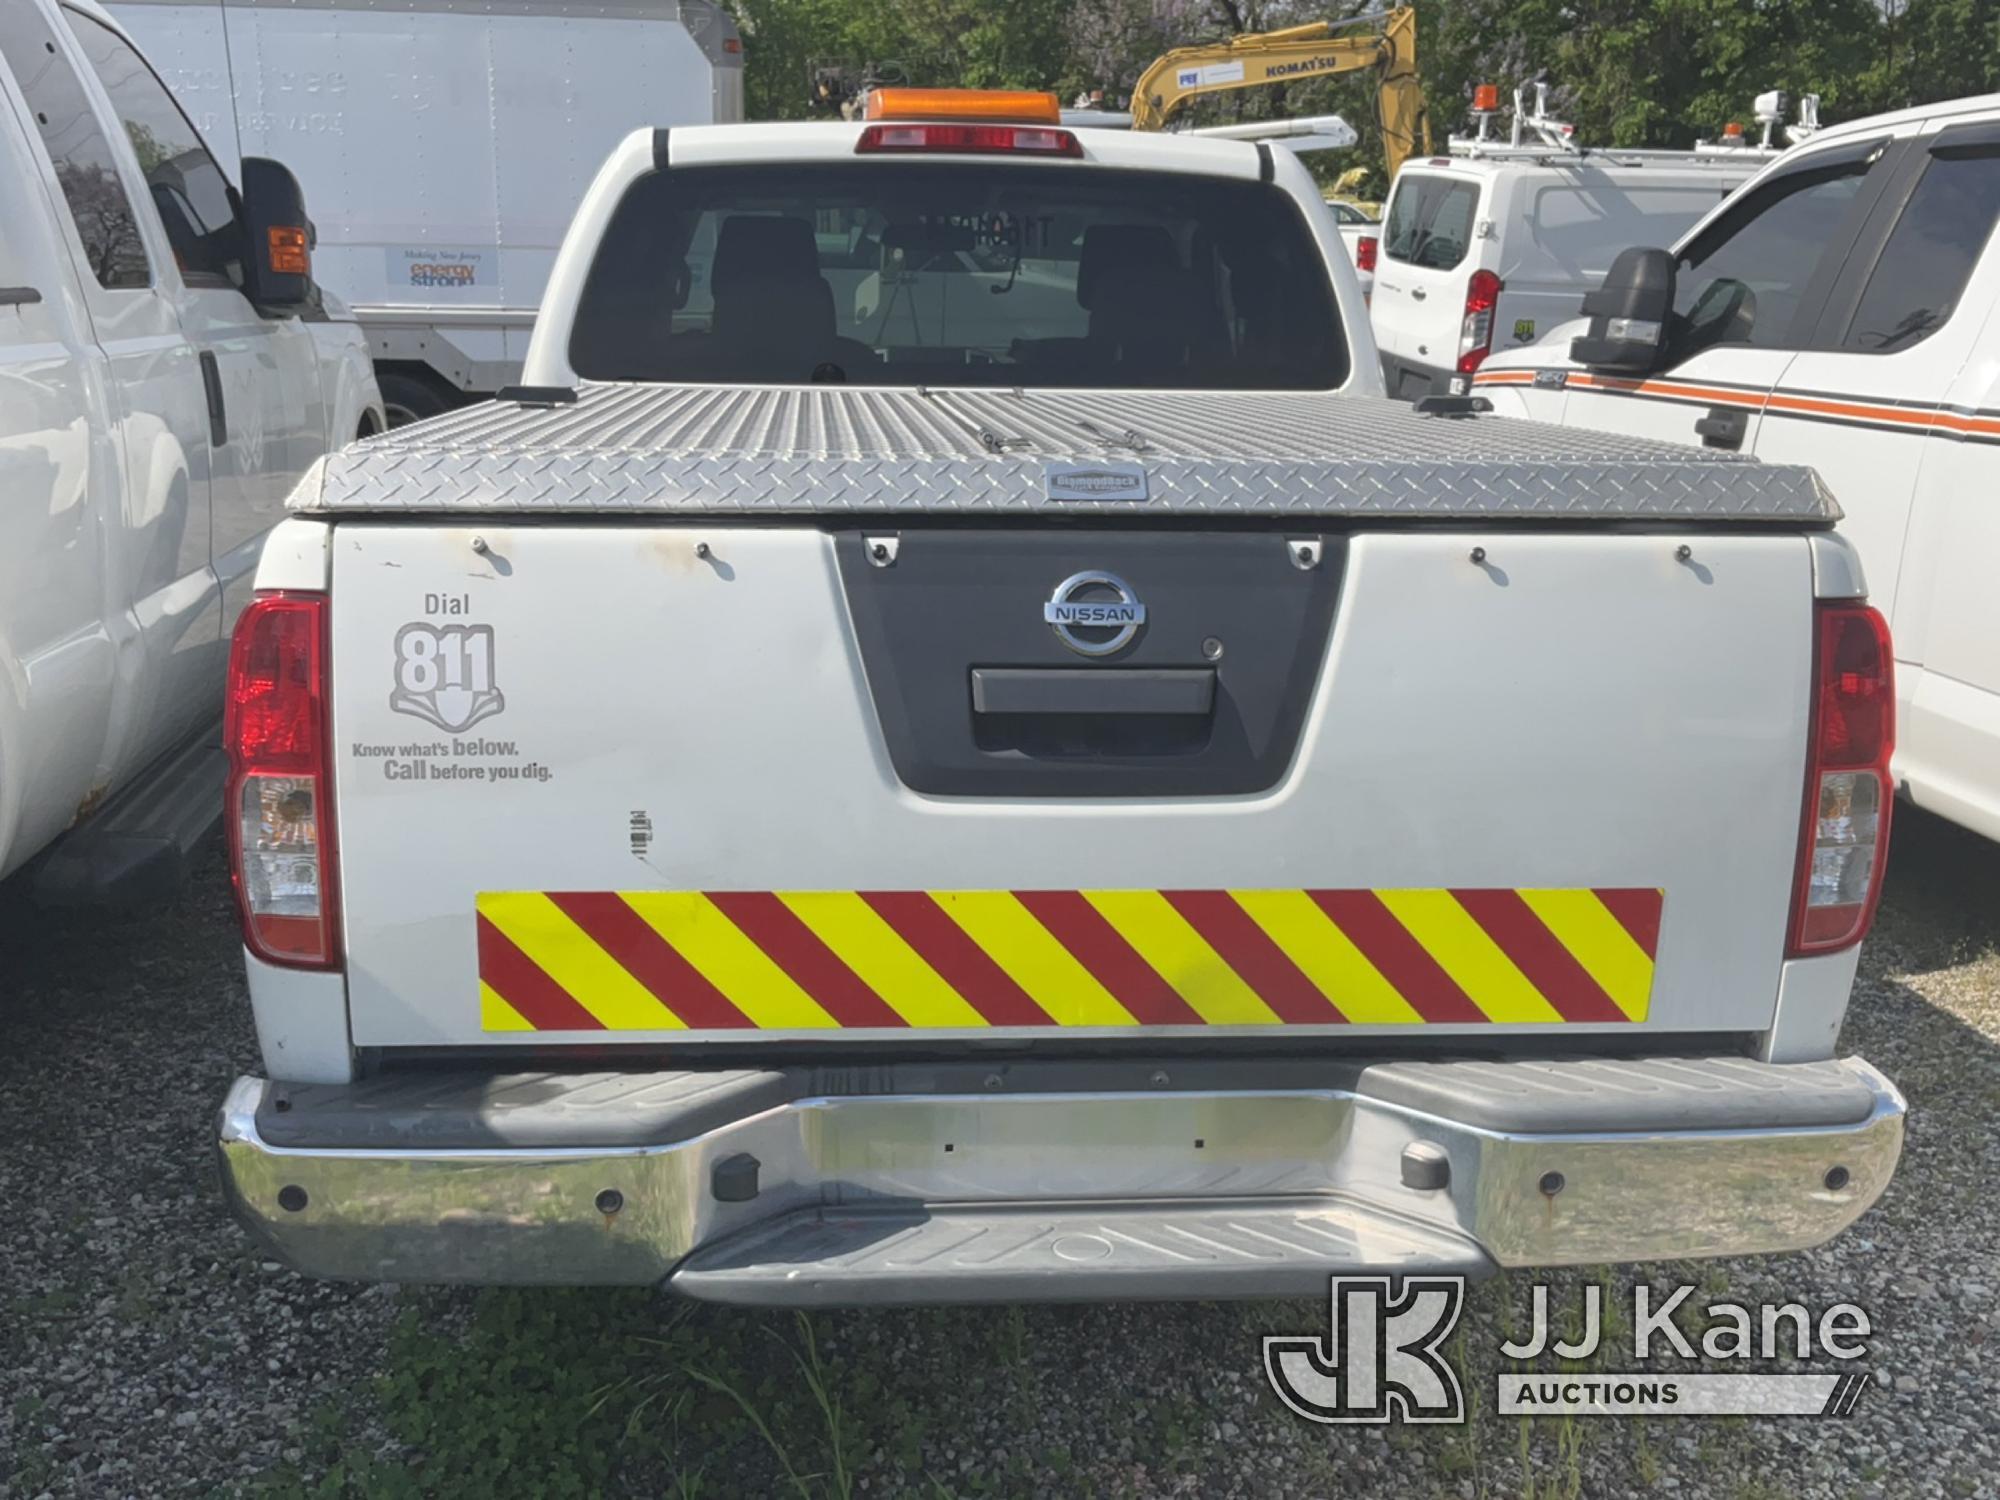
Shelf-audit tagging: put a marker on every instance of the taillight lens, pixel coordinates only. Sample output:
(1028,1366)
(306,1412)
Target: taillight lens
(1845,841)
(280,790)
(1475,334)
(1365,247)
(977,140)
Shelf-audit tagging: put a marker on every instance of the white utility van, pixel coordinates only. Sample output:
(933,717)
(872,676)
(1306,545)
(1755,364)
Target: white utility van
(167,374)
(1489,246)
(1842,310)
(443,147)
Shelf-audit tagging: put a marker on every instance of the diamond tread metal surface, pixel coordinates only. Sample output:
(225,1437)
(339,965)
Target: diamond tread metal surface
(1064,1252)
(643,450)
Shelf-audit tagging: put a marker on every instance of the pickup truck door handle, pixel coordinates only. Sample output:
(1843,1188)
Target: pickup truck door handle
(19,296)
(1723,427)
(211,382)
(1083,690)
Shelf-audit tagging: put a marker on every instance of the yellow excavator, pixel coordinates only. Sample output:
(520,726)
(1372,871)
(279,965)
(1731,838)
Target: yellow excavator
(1386,42)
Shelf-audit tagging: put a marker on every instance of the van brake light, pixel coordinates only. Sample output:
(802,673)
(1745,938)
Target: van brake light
(1365,248)
(279,808)
(1844,842)
(1475,334)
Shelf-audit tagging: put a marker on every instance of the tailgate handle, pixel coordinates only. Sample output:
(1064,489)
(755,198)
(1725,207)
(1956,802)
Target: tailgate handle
(1069,690)
(1723,427)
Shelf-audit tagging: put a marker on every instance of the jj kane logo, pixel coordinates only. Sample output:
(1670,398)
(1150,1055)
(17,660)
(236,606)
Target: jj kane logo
(1379,1359)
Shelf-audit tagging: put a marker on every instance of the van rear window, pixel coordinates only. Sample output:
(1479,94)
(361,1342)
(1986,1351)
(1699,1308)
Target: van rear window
(962,275)
(1430,221)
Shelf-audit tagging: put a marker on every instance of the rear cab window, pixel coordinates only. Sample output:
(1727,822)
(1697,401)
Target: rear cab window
(961,274)
(1430,220)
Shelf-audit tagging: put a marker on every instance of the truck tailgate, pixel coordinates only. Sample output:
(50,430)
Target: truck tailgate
(648,780)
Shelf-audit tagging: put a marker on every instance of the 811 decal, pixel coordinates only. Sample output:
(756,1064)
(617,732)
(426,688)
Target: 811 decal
(444,675)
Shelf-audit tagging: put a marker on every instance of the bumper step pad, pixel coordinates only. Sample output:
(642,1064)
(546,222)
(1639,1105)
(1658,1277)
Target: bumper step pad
(1004,1253)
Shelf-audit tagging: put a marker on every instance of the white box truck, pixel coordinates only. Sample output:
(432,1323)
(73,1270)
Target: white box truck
(442,145)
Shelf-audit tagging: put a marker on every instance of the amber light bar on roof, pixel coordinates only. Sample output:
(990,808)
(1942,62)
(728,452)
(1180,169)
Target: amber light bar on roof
(994,106)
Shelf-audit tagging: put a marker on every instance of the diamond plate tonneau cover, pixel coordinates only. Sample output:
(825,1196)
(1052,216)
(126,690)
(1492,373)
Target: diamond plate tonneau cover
(650,449)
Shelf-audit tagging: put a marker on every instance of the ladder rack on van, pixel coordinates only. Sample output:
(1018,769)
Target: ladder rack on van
(1541,138)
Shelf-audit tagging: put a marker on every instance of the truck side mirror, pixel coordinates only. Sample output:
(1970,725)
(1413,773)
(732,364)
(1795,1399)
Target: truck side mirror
(277,255)
(1628,313)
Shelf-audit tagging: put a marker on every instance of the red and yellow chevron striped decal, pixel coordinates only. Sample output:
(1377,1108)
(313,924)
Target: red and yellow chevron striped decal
(585,961)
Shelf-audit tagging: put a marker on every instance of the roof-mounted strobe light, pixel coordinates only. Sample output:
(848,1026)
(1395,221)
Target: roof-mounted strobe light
(993,106)
(1485,105)
(980,122)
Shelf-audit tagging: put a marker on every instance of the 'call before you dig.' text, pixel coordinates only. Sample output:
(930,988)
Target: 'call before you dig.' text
(452,760)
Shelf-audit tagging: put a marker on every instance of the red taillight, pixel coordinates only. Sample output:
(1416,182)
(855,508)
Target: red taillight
(280,809)
(1365,248)
(1845,839)
(981,140)
(1475,334)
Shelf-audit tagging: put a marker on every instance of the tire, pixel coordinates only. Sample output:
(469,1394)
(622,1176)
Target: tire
(408,398)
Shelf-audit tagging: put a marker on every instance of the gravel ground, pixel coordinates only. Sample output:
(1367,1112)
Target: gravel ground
(147,1349)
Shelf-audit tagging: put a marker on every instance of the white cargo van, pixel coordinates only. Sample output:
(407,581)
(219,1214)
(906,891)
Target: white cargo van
(167,373)
(1493,244)
(1843,310)
(443,148)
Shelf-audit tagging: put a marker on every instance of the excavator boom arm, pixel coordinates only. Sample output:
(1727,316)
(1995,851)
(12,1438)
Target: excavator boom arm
(1319,50)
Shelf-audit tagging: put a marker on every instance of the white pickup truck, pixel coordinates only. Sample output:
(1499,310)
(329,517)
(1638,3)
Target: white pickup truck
(168,371)
(950,745)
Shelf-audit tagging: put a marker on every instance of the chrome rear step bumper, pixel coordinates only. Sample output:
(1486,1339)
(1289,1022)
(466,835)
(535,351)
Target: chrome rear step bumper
(1053,1181)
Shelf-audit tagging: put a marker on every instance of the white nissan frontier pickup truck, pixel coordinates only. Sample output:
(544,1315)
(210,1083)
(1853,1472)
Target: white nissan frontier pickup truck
(949,745)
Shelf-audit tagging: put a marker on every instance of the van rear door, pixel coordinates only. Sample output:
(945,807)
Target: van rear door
(1425,258)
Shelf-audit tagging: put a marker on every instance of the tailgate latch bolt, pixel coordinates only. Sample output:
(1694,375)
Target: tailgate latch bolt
(480,546)
(1683,553)
(1305,555)
(701,549)
(734,1178)
(1478,555)
(1426,1166)
(882,551)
